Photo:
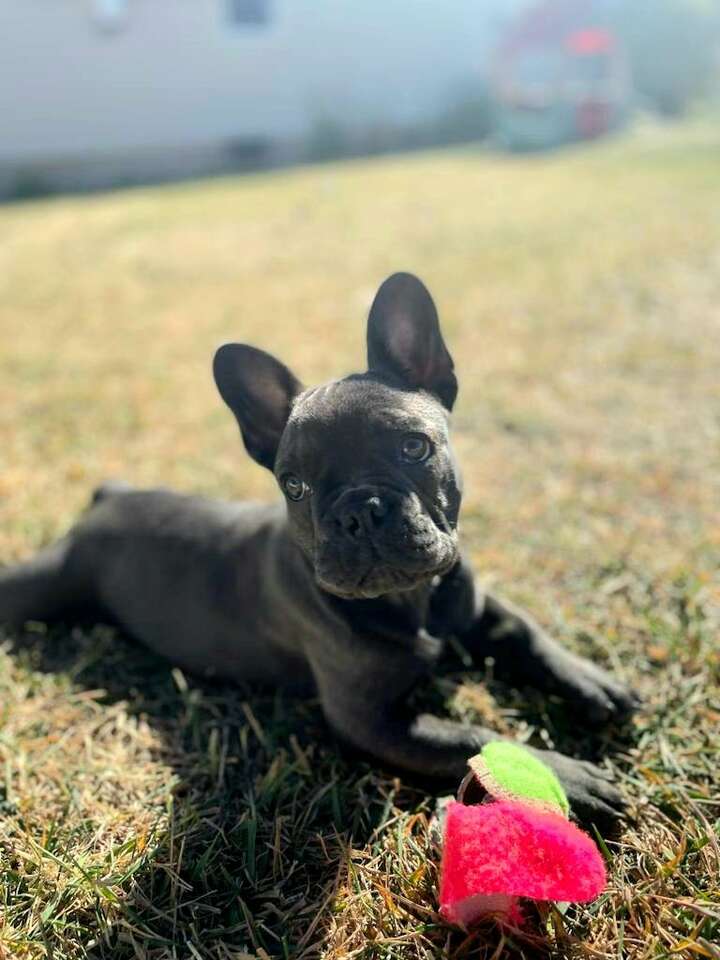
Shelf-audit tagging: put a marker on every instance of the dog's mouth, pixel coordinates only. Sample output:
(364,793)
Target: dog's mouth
(377,577)
(403,548)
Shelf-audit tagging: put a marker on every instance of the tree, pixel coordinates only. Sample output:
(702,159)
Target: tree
(673,48)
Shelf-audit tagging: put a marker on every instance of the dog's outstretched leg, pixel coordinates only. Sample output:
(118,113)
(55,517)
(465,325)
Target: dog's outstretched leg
(525,655)
(42,588)
(55,582)
(440,748)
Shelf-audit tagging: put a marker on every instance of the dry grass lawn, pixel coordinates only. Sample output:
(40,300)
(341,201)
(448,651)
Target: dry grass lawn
(143,815)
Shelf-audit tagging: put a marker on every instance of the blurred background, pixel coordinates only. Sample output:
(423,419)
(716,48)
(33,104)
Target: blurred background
(549,167)
(99,93)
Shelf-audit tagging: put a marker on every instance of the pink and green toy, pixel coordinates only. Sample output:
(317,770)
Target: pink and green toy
(517,844)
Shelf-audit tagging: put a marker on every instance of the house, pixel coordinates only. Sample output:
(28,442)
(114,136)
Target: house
(560,74)
(95,92)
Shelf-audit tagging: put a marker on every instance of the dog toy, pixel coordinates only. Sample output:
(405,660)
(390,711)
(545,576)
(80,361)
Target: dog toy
(507,771)
(516,844)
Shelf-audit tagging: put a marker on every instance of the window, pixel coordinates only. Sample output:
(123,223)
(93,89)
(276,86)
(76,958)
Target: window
(244,12)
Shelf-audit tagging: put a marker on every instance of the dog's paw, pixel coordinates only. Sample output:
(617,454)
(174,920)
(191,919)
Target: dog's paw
(597,697)
(593,797)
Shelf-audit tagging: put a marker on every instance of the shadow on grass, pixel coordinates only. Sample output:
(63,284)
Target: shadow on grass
(273,842)
(260,821)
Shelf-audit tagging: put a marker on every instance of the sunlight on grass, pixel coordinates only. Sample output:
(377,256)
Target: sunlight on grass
(142,815)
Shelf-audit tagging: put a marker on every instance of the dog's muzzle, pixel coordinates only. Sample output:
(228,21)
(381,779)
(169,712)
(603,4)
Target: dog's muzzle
(374,540)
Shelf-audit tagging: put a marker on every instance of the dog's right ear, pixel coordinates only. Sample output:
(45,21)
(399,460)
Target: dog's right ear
(259,390)
(404,339)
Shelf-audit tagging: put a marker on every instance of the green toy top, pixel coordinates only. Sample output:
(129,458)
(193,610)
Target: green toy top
(510,772)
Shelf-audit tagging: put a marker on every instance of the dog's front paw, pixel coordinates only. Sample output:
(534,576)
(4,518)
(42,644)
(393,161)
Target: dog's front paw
(597,696)
(592,796)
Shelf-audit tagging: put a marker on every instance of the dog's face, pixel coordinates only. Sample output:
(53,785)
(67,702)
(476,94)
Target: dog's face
(371,486)
(364,463)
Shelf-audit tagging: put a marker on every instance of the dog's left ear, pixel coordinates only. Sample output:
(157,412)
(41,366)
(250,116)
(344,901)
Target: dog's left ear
(260,391)
(404,339)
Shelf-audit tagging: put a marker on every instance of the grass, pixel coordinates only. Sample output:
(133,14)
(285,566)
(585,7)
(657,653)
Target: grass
(144,815)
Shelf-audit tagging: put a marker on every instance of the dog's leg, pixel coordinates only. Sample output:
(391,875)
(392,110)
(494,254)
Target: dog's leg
(42,588)
(525,655)
(51,585)
(439,748)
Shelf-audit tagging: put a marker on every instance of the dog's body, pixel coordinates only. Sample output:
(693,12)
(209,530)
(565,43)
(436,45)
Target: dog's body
(352,587)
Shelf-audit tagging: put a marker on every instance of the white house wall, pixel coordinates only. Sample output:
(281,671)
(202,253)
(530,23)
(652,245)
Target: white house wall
(178,73)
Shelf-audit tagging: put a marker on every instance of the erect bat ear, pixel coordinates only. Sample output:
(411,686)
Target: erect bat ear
(259,390)
(404,339)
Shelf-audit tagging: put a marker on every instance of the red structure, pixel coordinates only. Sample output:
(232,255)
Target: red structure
(560,75)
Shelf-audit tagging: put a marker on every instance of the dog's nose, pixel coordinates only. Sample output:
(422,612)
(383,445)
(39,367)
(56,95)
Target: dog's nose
(360,512)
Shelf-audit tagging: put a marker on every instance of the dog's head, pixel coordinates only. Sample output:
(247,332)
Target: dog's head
(364,463)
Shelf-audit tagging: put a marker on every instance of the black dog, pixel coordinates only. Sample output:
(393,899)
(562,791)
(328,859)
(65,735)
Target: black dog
(353,585)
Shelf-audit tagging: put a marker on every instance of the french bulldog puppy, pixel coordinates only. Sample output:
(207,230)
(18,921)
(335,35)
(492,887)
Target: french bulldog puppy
(350,587)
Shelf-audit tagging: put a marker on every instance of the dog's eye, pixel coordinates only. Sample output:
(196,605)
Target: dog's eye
(294,487)
(415,448)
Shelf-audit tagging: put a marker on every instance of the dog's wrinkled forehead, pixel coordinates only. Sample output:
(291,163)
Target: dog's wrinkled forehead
(356,409)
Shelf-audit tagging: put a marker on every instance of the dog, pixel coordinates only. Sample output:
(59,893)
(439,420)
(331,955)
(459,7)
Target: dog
(352,586)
